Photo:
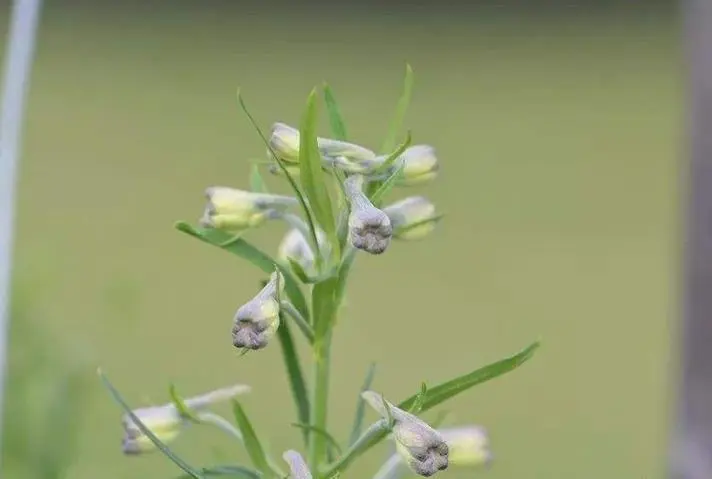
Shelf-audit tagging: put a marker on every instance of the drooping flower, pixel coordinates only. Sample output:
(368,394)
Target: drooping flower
(420,446)
(370,229)
(257,320)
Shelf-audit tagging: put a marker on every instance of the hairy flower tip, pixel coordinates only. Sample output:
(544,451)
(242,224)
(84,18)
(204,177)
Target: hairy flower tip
(234,210)
(284,141)
(370,229)
(257,320)
(469,445)
(420,165)
(413,218)
(297,466)
(166,422)
(420,446)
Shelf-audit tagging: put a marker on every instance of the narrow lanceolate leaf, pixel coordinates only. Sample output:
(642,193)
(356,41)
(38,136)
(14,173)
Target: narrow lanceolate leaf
(180,405)
(312,174)
(257,183)
(449,389)
(252,443)
(187,468)
(334,444)
(233,470)
(419,400)
(401,109)
(324,306)
(290,179)
(336,121)
(390,159)
(294,372)
(385,187)
(251,253)
(361,405)
(375,186)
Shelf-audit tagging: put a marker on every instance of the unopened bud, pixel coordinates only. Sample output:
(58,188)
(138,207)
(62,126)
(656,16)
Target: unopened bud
(257,320)
(166,422)
(423,448)
(284,141)
(420,165)
(233,210)
(297,466)
(370,229)
(413,218)
(469,446)
(295,246)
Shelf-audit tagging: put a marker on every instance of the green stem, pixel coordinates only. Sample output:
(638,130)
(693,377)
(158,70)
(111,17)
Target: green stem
(225,426)
(317,443)
(302,323)
(375,433)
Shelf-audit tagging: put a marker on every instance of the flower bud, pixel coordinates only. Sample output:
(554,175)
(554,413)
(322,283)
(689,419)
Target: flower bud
(295,246)
(284,141)
(233,210)
(421,447)
(413,218)
(420,165)
(165,421)
(468,446)
(370,229)
(257,320)
(297,466)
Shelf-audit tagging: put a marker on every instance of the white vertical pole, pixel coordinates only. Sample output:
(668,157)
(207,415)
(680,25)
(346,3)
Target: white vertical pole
(18,62)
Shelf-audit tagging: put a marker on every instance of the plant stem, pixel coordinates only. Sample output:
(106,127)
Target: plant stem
(317,443)
(225,425)
(368,439)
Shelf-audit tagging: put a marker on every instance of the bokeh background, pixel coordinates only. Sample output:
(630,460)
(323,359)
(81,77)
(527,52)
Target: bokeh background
(559,130)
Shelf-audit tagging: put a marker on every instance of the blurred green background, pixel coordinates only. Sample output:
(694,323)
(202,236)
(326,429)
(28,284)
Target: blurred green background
(559,133)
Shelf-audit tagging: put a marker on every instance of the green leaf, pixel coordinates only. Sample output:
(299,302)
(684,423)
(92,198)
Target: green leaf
(324,305)
(187,468)
(401,109)
(257,183)
(299,271)
(361,404)
(446,390)
(335,119)
(234,470)
(385,187)
(180,405)
(300,195)
(312,174)
(388,162)
(330,439)
(294,372)
(301,323)
(252,443)
(251,253)
(419,400)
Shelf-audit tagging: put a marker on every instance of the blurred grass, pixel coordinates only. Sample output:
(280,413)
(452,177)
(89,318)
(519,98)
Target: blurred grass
(559,140)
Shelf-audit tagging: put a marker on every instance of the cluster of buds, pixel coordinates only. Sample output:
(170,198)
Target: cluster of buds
(370,229)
